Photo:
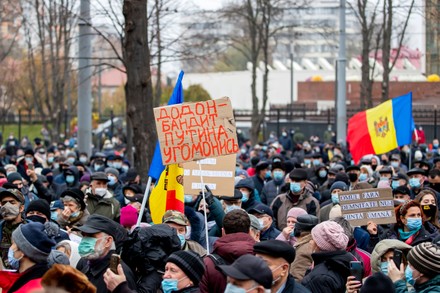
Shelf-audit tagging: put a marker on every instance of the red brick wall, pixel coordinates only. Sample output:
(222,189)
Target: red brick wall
(427,93)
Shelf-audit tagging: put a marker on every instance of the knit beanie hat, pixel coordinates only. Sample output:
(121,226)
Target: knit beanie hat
(14,176)
(57,257)
(190,263)
(39,205)
(339,185)
(295,212)
(112,171)
(425,258)
(329,236)
(129,216)
(32,240)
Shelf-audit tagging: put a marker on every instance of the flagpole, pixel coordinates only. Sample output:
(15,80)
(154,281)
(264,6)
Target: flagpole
(204,209)
(144,201)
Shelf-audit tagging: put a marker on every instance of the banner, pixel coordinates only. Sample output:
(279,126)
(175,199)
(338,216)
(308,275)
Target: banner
(218,173)
(364,205)
(193,131)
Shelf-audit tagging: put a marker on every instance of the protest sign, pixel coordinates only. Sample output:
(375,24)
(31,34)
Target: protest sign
(364,205)
(218,173)
(194,131)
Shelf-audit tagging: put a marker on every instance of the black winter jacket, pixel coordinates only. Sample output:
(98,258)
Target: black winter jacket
(330,272)
(294,287)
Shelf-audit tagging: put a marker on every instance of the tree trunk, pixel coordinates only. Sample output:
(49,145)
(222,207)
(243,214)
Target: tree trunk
(138,89)
(386,48)
(158,88)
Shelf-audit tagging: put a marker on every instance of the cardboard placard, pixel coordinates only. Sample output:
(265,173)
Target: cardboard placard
(218,173)
(193,131)
(364,205)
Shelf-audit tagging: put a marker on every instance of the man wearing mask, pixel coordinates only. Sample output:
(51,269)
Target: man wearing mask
(416,180)
(434,180)
(353,173)
(335,189)
(279,255)
(247,188)
(114,185)
(100,235)
(71,180)
(297,196)
(99,200)
(179,221)
(273,187)
(262,175)
(265,217)
(16,179)
(12,207)
(396,163)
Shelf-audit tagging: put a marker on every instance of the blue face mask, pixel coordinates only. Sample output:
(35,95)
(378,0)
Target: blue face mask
(295,187)
(83,160)
(383,179)
(230,288)
(117,165)
(384,267)
(71,160)
(363,177)
(335,198)
(125,168)
(414,182)
(278,176)
(414,224)
(50,160)
(14,263)
(110,164)
(74,215)
(307,162)
(29,160)
(231,208)
(268,174)
(395,184)
(53,215)
(182,239)
(409,276)
(245,196)
(70,178)
(188,198)
(169,285)
(316,162)
(111,180)
(394,164)
(97,167)
(87,246)
(322,173)
(435,145)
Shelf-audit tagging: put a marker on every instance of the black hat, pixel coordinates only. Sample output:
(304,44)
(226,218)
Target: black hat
(190,263)
(298,174)
(414,171)
(130,175)
(261,166)
(135,187)
(436,159)
(237,195)
(99,176)
(77,194)
(353,167)
(14,176)
(399,176)
(378,283)
(278,165)
(249,267)
(306,222)
(401,190)
(386,170)
(276,248)
(39,205)
(366,161)
(29,152)
(261,209)
(97,223)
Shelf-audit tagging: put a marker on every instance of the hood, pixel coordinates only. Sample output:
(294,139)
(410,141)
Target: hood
(382,247)
(75,173)
(335,260)
(232,246)
(74,255)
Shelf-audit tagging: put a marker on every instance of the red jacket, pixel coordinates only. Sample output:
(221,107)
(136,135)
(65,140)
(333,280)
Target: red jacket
(229,248)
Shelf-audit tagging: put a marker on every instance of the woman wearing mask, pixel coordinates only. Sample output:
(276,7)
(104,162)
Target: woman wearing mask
(409,227)
(427,199)
(75,212)
(383,253)
(288,233)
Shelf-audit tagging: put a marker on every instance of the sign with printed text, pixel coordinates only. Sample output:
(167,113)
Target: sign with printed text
(364,205)
(218,173)
(194,131)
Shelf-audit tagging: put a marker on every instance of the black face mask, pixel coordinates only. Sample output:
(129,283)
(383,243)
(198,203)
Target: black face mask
(429,210)
(352,177)
(374,167)
(35,218)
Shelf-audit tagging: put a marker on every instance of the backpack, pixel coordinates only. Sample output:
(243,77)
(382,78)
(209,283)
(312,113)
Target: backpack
(218,261)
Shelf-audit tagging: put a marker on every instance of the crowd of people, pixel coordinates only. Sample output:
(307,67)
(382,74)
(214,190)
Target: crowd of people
(69,223)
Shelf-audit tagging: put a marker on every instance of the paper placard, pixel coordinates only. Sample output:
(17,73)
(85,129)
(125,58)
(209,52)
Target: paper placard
(193,131)
(364,205)
(219,177)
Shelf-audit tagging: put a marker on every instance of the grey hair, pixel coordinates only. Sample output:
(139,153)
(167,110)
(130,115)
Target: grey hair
(348,229)
(69,198)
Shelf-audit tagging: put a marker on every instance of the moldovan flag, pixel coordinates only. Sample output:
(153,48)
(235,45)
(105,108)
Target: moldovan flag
(168,193)
(382,128)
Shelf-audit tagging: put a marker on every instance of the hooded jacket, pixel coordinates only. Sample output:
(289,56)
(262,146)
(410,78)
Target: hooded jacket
(432,286)
(382,247)
(330,272)
(59,183)
(229,248)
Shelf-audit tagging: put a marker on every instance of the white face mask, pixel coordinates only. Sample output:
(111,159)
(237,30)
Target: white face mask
(100,191)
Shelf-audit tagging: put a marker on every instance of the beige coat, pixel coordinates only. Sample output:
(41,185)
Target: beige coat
(303,259)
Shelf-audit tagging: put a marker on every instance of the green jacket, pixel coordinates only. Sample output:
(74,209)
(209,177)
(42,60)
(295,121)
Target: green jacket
(432,286)
(107,206)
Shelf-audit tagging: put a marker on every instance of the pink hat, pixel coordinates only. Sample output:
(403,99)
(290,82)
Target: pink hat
(295,212)
(329,236)
(129,216)
(383,184)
